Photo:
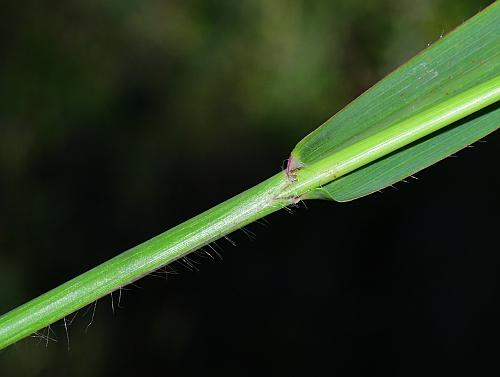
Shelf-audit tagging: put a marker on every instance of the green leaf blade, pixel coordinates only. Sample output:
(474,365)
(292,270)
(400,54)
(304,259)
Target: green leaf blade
(411,159)
(466,58)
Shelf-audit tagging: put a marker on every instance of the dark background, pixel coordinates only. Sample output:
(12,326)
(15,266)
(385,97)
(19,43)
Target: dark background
(120,119)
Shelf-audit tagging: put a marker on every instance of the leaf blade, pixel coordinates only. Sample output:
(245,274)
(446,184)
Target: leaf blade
(465,58)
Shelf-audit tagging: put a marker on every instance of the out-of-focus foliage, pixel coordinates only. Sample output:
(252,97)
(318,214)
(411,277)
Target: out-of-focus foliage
(111,112)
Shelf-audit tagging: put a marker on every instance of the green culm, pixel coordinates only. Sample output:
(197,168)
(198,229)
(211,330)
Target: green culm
(439,102)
